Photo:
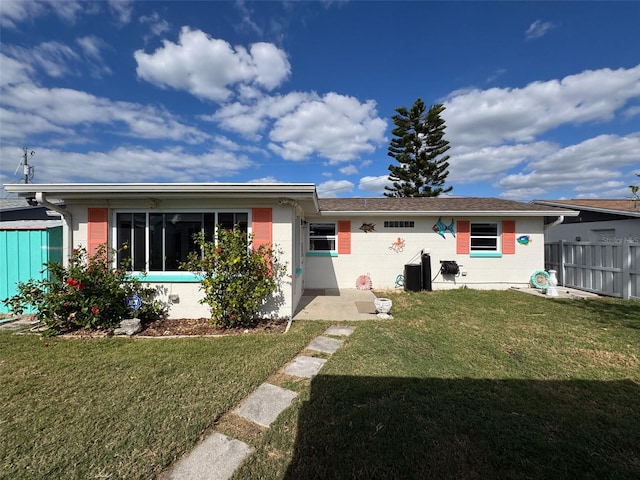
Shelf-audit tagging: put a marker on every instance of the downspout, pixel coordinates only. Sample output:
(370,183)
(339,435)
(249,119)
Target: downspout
(557,221)
(67,242)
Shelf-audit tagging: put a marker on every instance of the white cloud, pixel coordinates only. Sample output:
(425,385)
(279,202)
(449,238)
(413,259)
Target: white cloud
(122,10)
(332,188)
(349,170)
(610,151)
(336,127)
(631,112)
(264,180)
(538,29)
(157,25)
(612,184)
(14,72)
(589,166)
(61,108)
(524,193)
(14,12)
(19,125)
(208,68)
(53,58)
(374,184)
(497,115)
(92,47)
(133,164)
(470,165)
(247,24)
(250,119)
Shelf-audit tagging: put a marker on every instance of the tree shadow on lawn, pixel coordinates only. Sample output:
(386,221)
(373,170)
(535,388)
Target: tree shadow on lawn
(406,428)
(615,313)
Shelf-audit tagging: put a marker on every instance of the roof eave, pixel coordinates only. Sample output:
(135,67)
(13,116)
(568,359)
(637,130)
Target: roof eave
(590,209)
(76,191)
(454,213)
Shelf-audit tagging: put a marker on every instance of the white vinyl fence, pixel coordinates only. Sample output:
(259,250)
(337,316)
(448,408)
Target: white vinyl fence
(605,268)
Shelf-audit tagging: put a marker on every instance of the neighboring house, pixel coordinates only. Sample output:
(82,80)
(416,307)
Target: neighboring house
(16,208)
(324,243)
(29,237)
(613,221)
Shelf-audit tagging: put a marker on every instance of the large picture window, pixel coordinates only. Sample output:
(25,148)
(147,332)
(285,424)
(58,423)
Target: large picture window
(322,237)
(161,241)
(485,237)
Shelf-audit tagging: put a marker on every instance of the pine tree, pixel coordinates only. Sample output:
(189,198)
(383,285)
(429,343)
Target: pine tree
(419,147)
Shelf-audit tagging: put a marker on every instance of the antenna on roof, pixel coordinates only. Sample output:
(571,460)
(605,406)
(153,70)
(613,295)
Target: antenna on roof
(27,170)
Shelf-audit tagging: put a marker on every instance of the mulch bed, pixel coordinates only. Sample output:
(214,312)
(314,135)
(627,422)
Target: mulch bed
(202,326)
(185,327)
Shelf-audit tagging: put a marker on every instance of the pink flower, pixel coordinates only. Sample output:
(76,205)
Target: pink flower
(95,310)
(72,282)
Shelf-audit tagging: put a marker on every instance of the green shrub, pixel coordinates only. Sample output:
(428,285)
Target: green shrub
(236,277)
(86,293)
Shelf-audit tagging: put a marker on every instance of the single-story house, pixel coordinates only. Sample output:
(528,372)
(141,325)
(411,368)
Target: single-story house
(598,220)
(324,243)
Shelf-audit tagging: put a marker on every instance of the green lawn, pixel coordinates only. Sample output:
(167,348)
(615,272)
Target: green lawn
(461,384)
(470,385)
(120,408)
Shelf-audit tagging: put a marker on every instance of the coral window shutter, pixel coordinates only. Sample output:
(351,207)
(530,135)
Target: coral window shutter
(344,237)
(97,228)
(508,237)
(463,237)
(261,223)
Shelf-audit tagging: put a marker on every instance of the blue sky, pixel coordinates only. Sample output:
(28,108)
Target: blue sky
(542,98)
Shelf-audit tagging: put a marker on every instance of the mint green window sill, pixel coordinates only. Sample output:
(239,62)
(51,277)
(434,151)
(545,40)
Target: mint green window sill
(167,278)
(323,253)
(485,254)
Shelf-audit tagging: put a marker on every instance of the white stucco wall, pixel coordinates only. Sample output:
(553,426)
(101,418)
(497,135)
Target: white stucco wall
(188,293)
(371,255)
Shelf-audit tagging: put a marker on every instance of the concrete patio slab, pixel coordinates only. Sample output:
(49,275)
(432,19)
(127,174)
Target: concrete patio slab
(563,292)
(216,458)
(265,404)
(305,366)
(339,331)
(324,344)
(334,304)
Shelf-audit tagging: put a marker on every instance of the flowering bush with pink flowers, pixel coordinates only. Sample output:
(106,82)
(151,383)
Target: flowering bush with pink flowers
(86,293)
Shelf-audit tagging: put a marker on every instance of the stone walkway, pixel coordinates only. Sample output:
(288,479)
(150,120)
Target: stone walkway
(217,457)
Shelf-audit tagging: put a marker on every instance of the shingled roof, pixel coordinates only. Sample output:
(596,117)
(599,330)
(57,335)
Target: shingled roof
(437,205)
(616,206)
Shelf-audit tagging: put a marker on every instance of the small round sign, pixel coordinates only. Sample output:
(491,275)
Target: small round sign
(133,302)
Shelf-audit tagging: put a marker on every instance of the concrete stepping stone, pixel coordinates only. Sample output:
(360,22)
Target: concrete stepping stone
(305,366)
(340,331)
(216,458)
(324,344)
(265,404)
